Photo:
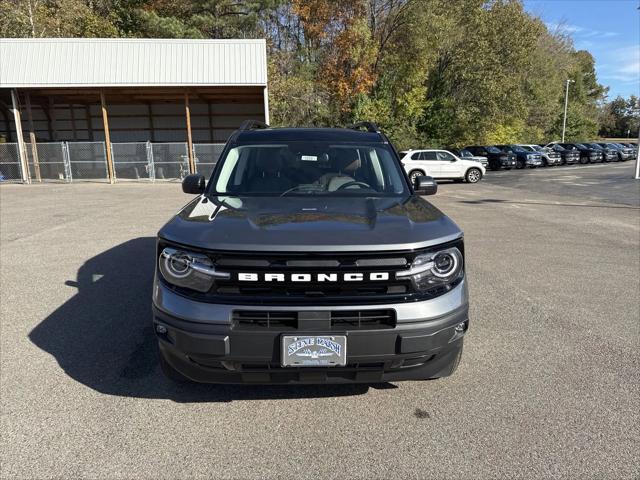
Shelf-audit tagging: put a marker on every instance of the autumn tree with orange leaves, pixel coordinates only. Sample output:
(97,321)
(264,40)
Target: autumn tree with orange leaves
(339,32)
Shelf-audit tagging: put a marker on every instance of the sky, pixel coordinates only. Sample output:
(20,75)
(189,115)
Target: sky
(609,29)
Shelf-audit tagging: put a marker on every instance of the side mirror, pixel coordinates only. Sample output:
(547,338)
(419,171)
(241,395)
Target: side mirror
(425,186)
(193,184)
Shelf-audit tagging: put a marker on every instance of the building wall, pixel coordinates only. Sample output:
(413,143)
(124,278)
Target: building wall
(156,122)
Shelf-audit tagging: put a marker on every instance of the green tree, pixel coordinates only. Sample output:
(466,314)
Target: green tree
(620,117)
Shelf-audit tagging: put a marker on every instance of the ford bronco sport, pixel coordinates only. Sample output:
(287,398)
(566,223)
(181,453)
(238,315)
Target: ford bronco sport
(308,257)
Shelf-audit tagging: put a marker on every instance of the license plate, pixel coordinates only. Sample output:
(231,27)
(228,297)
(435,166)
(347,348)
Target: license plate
(314,350)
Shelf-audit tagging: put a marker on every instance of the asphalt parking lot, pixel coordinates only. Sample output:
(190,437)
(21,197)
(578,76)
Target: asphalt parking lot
(548,386)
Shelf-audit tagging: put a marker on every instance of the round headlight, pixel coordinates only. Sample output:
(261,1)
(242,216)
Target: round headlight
(444,264)
(434,269)
(177,264)
(187,269)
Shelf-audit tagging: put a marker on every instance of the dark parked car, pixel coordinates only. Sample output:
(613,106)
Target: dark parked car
(308,257)
(497,158)
(523,157)
(467,155)
(568,156)
(609,154)
(549,157)
(623,152)
(587,154)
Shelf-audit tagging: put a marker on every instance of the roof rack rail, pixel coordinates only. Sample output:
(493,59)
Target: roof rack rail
(252,125)
(370,126)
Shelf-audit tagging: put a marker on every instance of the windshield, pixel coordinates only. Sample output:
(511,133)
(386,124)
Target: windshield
(516,148)
(493,150)
(308,168)
(465,153)
(594,145)
(528,148)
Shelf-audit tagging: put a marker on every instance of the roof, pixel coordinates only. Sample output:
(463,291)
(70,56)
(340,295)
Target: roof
(101,62)
(345,135)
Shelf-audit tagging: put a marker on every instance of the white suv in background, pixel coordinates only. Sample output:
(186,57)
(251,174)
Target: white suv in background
(440,164)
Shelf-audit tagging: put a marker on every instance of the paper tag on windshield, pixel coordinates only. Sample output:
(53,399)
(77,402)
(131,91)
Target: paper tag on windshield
(309,158)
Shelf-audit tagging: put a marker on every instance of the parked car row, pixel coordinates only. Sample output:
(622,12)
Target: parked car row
(470,163)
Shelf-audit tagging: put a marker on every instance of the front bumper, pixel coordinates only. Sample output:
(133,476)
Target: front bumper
(533,162)
(208,348)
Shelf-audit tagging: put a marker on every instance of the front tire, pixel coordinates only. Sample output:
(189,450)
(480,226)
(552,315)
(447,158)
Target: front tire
(473,175)
(519,164)
(414,174)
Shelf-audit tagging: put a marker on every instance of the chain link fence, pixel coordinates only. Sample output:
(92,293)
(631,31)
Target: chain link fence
(206,156)
(170,160)
(48,162)
(87,161)
(133,161)
(10,170)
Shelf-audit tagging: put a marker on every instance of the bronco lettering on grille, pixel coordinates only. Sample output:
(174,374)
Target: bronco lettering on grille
(313,277)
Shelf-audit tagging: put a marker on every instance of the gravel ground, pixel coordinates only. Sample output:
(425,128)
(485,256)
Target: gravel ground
(548,386)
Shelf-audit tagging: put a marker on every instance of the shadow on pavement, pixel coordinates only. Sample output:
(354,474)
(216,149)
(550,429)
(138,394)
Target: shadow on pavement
(556,204)
(102,337)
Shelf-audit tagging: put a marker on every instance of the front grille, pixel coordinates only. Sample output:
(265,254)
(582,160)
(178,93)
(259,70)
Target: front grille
(290,292)
(338,320)
(377,282)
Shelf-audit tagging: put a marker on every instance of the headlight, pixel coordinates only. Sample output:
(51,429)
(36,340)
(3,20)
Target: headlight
(434,269)
(188,269)
(530,156)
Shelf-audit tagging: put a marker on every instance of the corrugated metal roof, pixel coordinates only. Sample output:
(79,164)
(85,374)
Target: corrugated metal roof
(86,62)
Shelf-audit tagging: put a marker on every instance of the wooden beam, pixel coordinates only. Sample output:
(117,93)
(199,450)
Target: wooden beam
(22,151)
(32,138)
(192,165)
(107,137)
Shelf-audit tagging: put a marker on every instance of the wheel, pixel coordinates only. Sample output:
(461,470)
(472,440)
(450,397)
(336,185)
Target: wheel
(473,175)
(170,372)
(519,164)
(584,160)
(414,175)
(507,168)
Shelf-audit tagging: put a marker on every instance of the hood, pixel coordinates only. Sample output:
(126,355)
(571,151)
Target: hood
(305,224)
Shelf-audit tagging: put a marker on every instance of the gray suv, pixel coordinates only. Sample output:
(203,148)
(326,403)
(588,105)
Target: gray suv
(308,257)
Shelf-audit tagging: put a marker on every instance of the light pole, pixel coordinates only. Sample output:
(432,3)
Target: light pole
(566,104)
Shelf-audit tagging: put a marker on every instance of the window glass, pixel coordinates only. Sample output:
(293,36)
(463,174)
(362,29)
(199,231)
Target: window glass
(430,156)
(444,156)
(305,168)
